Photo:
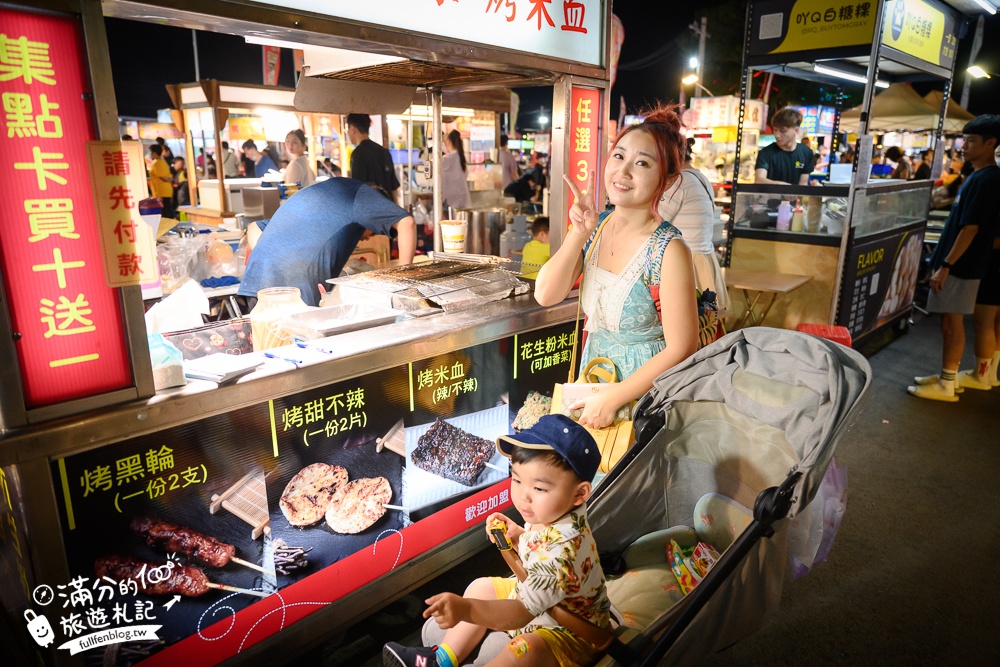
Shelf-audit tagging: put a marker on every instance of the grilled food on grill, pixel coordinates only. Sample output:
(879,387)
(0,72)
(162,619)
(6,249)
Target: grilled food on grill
(309,493)
(172,537)
(181,580)
(358,504)
(452,453)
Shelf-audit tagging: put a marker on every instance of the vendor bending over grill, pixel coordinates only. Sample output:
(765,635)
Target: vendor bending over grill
(311,236)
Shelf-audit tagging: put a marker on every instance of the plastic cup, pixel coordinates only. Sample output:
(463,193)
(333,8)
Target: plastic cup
(453,235)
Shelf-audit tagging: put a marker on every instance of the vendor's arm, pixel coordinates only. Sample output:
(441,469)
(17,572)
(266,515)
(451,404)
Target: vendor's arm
(449,610)
(962,242)
(760,177)
(556,278)
(406,239)
(679,314)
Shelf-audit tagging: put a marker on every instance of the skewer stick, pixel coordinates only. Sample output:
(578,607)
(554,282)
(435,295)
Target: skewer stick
(252,566)
(395,507)
(233,589)
(502,469)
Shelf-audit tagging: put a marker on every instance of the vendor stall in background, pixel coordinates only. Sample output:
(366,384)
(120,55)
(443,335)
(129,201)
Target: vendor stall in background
(101,474)
(858,240)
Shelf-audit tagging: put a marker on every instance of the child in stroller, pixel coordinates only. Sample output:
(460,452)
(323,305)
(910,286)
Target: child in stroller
(553,464)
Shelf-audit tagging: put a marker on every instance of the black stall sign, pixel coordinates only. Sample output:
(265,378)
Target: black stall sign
(792,26)
(879,280)
(255,488)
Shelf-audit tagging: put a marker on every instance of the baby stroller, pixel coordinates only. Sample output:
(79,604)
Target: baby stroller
(730,442)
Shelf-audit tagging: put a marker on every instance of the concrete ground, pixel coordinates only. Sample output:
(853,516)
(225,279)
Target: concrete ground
(914,576)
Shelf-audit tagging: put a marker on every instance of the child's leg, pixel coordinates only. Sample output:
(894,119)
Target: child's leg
(464,637)
(527,650)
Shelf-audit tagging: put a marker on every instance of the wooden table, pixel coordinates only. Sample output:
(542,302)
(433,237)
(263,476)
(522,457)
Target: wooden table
(754,285)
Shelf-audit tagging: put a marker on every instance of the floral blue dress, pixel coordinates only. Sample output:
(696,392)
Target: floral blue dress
(622,322)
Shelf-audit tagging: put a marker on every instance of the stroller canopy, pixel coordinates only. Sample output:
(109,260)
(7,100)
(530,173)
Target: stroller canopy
(800,384)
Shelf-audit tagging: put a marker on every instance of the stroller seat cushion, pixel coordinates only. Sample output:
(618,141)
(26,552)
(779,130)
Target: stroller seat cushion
(642,594)
(651,549)
(718,520)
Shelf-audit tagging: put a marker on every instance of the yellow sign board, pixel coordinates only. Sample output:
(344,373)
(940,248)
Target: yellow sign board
(921,30)
(128,244)
(784,26)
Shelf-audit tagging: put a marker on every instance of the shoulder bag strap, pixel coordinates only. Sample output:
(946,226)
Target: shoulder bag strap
(579,298)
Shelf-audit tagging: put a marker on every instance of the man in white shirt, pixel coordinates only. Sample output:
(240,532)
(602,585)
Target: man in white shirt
(230,164)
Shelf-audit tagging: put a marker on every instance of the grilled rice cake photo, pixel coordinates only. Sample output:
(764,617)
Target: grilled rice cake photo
(358,504)
(309,493)
(452,453)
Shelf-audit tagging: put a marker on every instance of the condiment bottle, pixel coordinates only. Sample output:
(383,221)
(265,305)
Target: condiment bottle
(797,216)
(784,222)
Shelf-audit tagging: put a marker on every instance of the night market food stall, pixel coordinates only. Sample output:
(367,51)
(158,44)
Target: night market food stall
(860,238)
(222,522)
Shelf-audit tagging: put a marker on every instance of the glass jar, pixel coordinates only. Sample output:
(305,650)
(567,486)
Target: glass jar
(273,303)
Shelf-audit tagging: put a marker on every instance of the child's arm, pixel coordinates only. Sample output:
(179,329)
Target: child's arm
(449,610)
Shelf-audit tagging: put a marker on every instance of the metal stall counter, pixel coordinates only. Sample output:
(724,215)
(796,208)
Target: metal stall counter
(315,493)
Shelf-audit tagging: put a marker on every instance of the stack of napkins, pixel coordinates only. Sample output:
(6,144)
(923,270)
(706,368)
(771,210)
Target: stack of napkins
(220,367)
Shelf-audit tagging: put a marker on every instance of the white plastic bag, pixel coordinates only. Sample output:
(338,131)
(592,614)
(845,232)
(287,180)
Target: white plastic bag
(812,532)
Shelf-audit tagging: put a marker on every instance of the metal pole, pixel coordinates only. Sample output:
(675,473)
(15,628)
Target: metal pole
(702,34)
(435,158)
(977,43)
(194,45)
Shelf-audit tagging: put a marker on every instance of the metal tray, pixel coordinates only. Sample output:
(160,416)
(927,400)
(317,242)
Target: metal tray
(338,319)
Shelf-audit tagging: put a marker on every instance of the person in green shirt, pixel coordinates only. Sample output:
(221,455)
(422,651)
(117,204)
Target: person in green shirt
(536,251)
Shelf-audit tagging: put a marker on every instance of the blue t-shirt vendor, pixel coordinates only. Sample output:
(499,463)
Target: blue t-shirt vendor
(311,236)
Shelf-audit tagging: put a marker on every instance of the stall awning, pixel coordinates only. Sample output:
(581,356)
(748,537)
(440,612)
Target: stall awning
(898,107)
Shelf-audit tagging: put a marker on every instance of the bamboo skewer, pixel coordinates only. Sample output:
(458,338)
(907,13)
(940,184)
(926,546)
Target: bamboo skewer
(233,589)
(252,566)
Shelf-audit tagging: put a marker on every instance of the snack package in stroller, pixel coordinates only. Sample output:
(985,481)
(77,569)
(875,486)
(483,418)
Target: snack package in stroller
(730,443)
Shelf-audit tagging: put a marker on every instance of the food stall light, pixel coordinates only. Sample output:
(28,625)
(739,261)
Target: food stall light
(426,111)
(830,71)
(689,79)
(267,41)
(988,6)
(978,72)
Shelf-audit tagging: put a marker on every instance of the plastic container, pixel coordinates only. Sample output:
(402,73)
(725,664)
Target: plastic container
(814,211)
(453,235)
(784,222)
(515,237)
(273,304)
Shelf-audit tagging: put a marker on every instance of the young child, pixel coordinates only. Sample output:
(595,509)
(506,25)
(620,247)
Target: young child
(536,251)
(552,468)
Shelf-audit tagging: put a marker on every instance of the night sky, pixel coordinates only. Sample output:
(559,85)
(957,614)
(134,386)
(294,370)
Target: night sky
(654,58)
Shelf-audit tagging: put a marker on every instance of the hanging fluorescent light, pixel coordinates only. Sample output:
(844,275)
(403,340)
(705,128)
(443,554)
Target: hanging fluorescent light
(849,76)
(988,6)
(280,43)
(978,72)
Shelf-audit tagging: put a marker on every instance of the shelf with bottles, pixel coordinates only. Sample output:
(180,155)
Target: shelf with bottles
(802,215)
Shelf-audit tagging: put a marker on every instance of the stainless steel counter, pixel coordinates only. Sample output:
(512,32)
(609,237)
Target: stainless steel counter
(351,354)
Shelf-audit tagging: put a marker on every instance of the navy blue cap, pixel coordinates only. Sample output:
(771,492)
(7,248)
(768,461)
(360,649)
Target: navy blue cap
(563,436)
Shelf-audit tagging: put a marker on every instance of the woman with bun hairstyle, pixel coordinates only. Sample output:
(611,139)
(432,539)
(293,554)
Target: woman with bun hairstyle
(635,250)
(298,170)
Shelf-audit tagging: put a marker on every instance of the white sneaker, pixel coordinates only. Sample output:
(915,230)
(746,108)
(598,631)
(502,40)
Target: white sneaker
(934,392)
(924,380)
(970,380)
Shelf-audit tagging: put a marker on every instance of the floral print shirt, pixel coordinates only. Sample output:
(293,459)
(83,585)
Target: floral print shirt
(562,565)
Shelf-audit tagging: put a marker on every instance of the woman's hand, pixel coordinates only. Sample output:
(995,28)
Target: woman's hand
(583,213)
(598,410)
(447,609)
(514,531)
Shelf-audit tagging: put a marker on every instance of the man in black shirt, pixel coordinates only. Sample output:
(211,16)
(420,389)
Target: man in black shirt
(785,162)
(960,261)
(370,163)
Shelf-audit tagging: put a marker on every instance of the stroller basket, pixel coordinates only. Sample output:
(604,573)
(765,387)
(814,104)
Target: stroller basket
(750,421)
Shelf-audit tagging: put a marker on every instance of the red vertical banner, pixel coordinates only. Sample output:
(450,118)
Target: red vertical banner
(272,65)
(68,327)
(584,140)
